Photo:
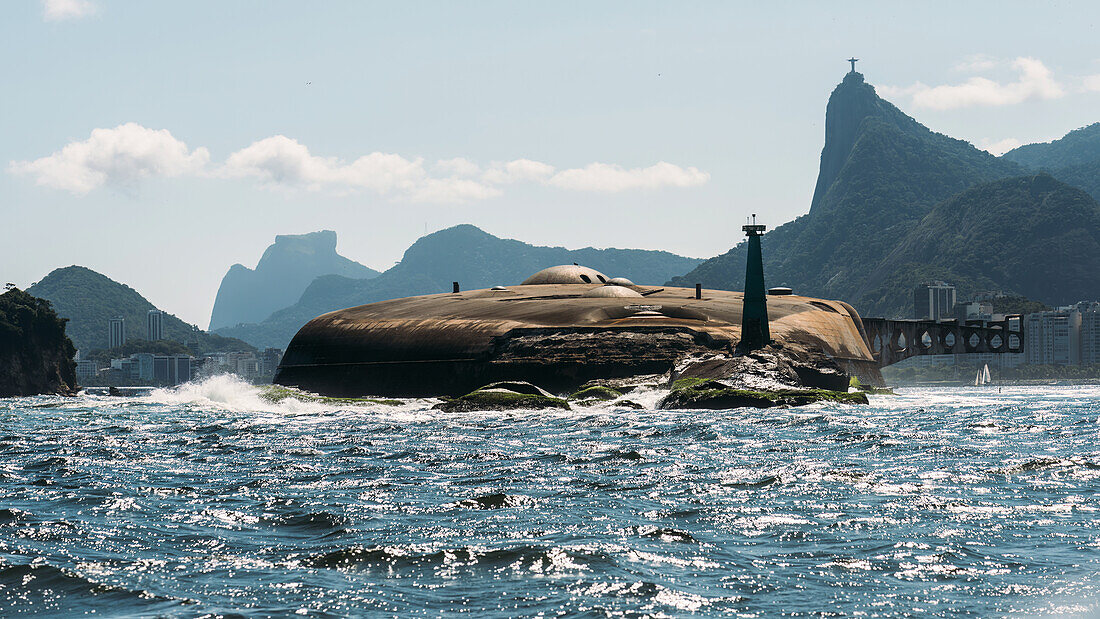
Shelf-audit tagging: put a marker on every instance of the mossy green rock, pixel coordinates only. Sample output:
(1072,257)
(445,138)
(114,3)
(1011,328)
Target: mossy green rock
(690,393)
(277,393)
(499,400)
(596,392)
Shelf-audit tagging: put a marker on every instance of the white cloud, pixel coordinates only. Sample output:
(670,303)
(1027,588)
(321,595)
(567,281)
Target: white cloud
(116,156)
(999,147)
(605,177)
(284,161)
(458,166)
(1035,81)
(129,152)
(57,10)
(1091,83)
(517,171)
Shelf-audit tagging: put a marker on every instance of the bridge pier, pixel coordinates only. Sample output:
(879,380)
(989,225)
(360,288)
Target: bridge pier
(892,341)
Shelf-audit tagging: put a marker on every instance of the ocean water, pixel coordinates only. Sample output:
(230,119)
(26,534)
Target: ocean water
(207,501)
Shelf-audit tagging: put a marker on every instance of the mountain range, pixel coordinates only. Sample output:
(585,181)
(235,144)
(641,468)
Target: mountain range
(466,254)
(281,276)
(896,204)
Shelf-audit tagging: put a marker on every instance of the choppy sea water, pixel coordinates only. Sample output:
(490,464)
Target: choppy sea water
(207,501)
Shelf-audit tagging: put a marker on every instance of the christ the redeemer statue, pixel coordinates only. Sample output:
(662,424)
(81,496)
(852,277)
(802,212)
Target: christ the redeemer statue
(853,61)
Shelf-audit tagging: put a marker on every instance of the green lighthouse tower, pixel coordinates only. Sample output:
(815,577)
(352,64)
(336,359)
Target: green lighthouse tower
(754,315)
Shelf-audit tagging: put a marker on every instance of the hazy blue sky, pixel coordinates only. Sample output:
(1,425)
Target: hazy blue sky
(218,125)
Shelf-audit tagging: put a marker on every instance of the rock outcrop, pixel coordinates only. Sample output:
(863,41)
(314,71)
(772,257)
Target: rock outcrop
(36,357)
(504,395)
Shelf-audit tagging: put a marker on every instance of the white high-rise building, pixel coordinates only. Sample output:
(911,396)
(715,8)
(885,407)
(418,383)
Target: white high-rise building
(1090,334)
(1053,338)
(934,301)
(116,332)
(154,325)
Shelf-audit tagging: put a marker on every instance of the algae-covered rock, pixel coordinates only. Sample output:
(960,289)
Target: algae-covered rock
(688,393)
(596,393)
(502,396)
(856,384)
(517,386)
(278,393)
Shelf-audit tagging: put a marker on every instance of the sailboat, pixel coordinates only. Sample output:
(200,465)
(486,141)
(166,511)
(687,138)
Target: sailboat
(983,377)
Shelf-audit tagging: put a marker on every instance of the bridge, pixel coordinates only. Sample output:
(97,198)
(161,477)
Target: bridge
(892,341)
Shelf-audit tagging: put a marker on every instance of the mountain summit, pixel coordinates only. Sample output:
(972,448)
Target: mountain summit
(283,273)
(881,173)
(852,102)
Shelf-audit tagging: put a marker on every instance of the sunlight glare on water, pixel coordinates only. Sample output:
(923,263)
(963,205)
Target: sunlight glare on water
(209,499)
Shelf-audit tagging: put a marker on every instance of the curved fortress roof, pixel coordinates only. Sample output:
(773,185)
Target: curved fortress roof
(552,334)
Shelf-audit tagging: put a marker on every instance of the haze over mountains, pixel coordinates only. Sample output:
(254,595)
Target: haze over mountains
(896,204)
(465,253)
(282,274)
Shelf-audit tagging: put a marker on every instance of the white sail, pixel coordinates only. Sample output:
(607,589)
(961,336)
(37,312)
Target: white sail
(985,375)
(978,378)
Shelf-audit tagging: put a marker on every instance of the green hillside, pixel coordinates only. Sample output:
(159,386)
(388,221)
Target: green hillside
(1032,235)
(89,299)
(473,257)
(1080,146)
(1085,176)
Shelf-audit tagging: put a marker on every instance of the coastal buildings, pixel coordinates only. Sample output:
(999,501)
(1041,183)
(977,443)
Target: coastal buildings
(269,361)
(1090,336)
(116,332)
(1053,338)
(934,301)
(85,369)
(171,369)
(150,369)
(154,325)
(1069,335)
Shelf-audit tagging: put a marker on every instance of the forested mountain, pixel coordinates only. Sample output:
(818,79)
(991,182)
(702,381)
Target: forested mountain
(282,274)
(1073,158)
(1085,176)
(89,300)
(1077,147)
(474,258)
(1032,235)
(881,174)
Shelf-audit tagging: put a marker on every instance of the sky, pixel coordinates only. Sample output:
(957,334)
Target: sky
(161,142)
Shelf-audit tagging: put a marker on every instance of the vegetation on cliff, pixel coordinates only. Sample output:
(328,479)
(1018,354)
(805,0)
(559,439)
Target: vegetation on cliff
(36,357)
